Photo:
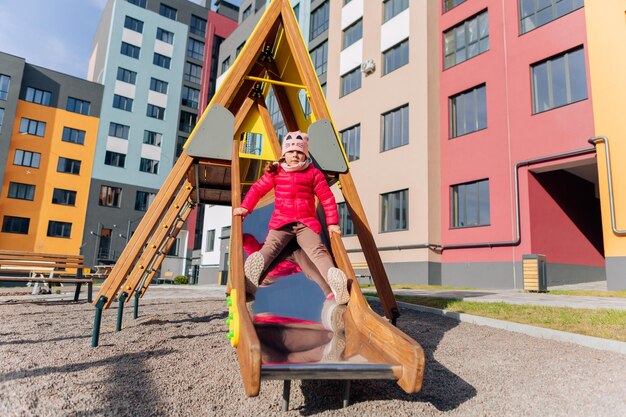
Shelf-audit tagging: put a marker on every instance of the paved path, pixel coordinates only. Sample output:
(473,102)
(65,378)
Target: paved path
(522,298)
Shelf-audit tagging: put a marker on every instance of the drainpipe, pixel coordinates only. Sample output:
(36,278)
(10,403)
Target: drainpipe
(518,233)
(594,141)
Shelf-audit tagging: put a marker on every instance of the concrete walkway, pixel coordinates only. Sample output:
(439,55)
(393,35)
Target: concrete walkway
(523,298)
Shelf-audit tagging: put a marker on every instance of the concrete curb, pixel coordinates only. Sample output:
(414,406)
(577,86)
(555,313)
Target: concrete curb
(540,332)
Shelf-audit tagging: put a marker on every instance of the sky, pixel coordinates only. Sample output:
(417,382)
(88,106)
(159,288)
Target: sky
(54,34)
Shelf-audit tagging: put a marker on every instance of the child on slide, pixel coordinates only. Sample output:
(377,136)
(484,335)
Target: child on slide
(296,183)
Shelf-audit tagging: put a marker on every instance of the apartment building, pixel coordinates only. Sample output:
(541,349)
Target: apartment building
(518,105)
(382,83)
(48,129)
(149,55)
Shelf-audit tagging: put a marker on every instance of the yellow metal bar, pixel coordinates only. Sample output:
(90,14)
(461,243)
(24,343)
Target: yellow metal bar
(270,81)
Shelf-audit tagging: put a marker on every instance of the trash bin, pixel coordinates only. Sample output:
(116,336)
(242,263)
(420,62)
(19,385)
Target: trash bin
(534,271)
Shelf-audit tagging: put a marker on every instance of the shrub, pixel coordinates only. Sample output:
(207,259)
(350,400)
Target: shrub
(181,280)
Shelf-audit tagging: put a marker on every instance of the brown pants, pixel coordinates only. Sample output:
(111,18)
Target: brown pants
(317,261)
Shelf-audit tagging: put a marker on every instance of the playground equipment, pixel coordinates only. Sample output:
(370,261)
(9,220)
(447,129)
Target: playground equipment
(224,155)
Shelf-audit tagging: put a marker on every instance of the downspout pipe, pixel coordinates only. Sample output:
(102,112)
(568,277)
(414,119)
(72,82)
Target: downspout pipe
(594,141)
(518,233)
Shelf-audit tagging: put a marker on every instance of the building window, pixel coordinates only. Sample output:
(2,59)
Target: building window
(396,128)
(73,136)
(152,138)
(5,82)
(115,159)
(68,166)
(210,240)
(392,8)
(155,112)
(352,33)
(394,211)
(246,13)
(197,25)
(35,95)
(470,204)
(130,50)
(165,36)
(59,229)
(240,48)
(180,142)
(468,111)
(395,57)
(21,191)
(167,11)
(161,61)
(345,222)
(451,4)
(319,56)
(193,73)
(149,165)
(190,97)
(117,130)
(12,224)
(126,75)
(351,81)
(195,49)
(187,121)
(78,106)
(140,3)
(559,80)
(133,24)
(351,141)
(64,197)
(110,196)
(26,158)
(466,40)
(1,117)
(535,13)
(32,127)
(143,199)
(173,250)
(122,103)
(252,143)
(319,20)
(225,64)
(158,85)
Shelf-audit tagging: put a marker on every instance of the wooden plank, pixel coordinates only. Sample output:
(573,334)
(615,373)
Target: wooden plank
(376,337)
(145,228)
(155,242)
(249,347)
(269,127)
(157,264)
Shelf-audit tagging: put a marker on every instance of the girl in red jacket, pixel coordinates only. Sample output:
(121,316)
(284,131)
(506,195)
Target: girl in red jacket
(296,183)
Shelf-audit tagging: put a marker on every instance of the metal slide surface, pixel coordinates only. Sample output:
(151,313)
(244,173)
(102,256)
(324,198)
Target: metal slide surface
(302,336)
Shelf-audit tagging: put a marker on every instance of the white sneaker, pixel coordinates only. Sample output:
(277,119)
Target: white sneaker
(332,315)
(338,284)
(253,268)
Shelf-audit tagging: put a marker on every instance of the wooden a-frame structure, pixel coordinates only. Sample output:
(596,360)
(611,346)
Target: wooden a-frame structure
(211,170)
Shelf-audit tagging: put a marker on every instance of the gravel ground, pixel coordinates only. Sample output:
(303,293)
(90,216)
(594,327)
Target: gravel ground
(175,360)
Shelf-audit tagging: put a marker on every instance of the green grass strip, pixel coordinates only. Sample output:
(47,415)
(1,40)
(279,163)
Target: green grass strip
(604,323)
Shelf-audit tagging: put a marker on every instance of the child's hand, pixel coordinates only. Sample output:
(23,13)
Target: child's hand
(240,211)
(334,228)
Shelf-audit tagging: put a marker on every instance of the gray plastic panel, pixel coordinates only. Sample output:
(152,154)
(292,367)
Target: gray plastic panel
(324,147)
(214,137)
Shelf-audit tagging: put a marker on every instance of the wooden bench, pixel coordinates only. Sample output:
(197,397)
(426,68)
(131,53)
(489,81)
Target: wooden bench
(46,268)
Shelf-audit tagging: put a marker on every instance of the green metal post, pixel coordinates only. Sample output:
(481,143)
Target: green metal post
(96,322)
(120,311)
(136,309)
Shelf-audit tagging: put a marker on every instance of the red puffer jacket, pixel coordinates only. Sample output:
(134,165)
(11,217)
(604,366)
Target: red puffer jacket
(295,197)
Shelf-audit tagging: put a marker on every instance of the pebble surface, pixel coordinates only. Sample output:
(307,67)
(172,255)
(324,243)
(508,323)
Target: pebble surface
(175,360)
